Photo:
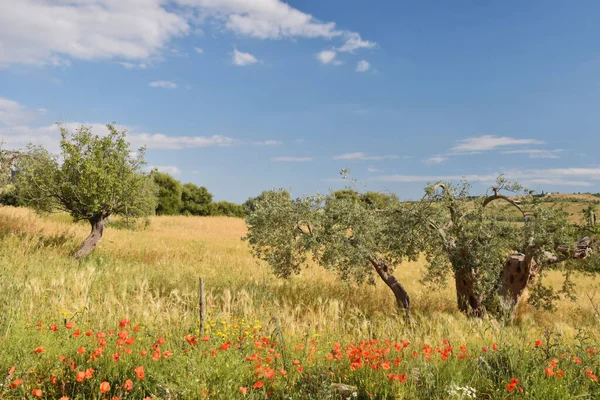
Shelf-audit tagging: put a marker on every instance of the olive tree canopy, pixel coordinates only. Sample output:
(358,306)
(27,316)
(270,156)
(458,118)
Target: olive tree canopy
(354,239)
(94,177)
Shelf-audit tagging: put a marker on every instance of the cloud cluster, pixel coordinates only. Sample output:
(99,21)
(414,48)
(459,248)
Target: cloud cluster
(503,144)
(15,132)
(51,32)
(489,142)
(550,176)
(136,32)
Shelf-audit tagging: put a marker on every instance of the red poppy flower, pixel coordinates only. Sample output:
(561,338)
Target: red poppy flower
(258,385)
(538,343)
(225,345)
(128,385)
(70,325)
(140,373)
(39,350)
(37,393)
(192,340)
(243,390)
(16,383)
(104,387)
(80,376)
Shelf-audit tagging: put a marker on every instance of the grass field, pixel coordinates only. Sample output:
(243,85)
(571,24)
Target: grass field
(150,277)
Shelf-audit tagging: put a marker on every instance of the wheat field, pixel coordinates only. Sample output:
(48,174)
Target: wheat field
(151,276)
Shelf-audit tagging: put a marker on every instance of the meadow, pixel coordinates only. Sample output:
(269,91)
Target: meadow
(124,323)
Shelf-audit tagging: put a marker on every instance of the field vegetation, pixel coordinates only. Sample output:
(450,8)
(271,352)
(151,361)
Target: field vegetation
(150,277)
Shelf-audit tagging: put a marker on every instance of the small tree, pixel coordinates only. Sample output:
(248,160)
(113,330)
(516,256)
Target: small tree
(96,177)
(169,194)
(195,200)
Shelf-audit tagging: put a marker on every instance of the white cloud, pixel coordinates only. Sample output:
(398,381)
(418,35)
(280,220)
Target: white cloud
(551,177)
(49,32)
(489,142)
(363,156)
(354,42)
(163,84)
(371,169)
(363,66)
(242,59)
(161,141)
(198,50)
(129,65)
(536,153)
(292,159)
(269,143)
(435,178)
(328,57)
(264,19)
(169,169)
(435,160)
(16,133)
(133,32)
(13,113)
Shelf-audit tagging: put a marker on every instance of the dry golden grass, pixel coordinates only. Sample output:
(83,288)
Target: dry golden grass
(151,276)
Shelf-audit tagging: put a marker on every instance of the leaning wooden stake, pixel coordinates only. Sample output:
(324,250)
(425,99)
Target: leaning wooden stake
(202,306)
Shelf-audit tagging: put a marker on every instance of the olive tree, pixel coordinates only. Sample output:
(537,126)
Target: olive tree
(472,238)
(356,240)
(94,177)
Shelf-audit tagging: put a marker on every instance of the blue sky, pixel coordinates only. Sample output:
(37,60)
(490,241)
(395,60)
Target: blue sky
(242,96)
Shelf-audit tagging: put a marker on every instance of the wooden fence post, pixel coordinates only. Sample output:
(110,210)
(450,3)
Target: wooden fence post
(202,306)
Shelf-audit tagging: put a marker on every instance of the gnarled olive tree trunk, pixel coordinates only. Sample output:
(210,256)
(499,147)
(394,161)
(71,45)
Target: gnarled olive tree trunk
(467,296)
(89,244)
(402,298)
(518,271)
(521,268)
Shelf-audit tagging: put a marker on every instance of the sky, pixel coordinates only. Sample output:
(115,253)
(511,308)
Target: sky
(243,96)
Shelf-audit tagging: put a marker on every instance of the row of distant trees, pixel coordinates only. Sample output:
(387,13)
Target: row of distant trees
(173,198)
